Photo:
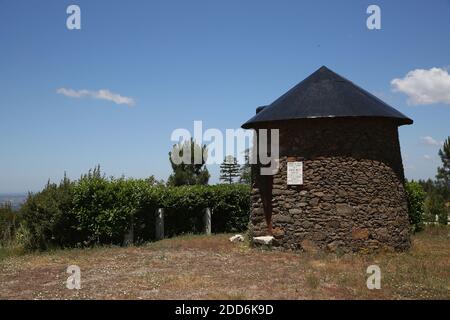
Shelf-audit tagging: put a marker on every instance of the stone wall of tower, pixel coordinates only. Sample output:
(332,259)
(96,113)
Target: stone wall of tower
(352,197)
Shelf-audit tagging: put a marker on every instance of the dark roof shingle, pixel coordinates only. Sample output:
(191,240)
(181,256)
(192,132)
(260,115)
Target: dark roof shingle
(325,94)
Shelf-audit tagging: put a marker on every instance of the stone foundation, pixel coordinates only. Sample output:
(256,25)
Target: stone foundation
(352,197)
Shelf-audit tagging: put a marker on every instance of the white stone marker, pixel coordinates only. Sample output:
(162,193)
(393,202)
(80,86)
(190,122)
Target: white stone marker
(159,224)
(236,238)
(263,240)
(207,220)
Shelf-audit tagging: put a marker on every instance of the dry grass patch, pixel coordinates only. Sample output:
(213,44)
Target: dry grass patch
(210,267)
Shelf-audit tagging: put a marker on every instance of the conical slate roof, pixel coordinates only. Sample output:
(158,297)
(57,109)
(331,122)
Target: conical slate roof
(325,94)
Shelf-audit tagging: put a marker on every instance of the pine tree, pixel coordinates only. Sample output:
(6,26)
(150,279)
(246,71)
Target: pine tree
(229,169)
(189,172)
(245,170)
(443,175)
(443,182)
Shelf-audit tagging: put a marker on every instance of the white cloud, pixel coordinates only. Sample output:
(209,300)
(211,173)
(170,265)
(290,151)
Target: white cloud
(102,94)
(425,86)
(431,141)
(427,157)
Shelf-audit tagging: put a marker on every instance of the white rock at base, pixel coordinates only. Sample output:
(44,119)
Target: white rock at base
(263,240)
(237,238)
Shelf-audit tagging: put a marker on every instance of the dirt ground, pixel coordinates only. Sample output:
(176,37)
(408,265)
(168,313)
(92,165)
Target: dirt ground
(210,267)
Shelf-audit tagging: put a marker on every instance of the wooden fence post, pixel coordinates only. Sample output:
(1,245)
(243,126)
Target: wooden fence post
(159,224)
(207,220)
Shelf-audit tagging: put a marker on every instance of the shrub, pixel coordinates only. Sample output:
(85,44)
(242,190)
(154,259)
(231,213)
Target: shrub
(9,223)
(416,197)
(107,208)
(435,208)
(96,209)
(48,218)
(184,209)
(230,206)
(443,215)
(147,201)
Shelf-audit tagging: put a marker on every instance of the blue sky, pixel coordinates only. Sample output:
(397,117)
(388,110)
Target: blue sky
(213,61)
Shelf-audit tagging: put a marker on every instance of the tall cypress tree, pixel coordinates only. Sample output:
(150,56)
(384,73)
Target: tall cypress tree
(246,170)
(229,169)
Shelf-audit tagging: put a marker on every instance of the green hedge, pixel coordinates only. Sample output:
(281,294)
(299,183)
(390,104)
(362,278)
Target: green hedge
(230,206)
(9,223)
(48,219)
(96,209)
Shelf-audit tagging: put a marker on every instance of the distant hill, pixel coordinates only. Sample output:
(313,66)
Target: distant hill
(16,199)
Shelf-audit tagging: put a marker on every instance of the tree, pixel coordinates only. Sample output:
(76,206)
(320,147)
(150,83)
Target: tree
(229,169)
(188,161)
(246,170)
(443,175)
(443,215)
(153,181)
(416,197)
(9,223)
(435,208)
(428,185)
(48,218)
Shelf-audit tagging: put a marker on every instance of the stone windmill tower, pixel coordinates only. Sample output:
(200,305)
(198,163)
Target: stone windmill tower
(340,183)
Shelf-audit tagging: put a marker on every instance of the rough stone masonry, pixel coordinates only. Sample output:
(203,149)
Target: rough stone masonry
(350,201)
(352,197)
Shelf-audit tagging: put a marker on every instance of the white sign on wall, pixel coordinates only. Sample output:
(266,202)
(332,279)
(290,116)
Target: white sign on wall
(295,173)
